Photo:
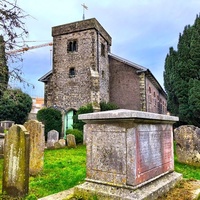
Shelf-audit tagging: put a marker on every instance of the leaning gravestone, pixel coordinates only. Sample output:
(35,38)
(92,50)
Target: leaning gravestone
(71,141)
(52,138)
(187,139)
(16,162)
(37,144)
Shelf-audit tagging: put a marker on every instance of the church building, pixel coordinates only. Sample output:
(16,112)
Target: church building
(85,71)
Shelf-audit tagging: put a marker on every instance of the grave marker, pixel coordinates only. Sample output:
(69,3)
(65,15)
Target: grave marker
(52,138)
(2,135)
(37,145)
(187,138)
(71,141)
(129,153)
(16,162)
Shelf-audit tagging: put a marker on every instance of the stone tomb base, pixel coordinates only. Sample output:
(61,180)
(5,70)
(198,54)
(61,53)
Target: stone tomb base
(149,191)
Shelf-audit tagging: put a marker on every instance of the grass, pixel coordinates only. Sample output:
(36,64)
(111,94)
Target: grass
(189,172)
(65,168)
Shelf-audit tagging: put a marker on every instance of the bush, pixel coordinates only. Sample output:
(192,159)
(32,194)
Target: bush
(78,124)
(51,118)
(15,106)
(108,106)
(77,133)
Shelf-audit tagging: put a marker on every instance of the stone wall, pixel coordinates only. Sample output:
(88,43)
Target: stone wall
(88,65)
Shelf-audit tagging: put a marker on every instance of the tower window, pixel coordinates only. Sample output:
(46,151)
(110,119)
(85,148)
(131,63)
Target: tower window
(72,72)
(102,49)
(72,46)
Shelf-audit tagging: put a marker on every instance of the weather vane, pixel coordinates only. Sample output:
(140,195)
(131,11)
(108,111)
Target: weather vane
(84,8)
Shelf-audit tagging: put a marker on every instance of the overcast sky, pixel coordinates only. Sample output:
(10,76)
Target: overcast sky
(142,31)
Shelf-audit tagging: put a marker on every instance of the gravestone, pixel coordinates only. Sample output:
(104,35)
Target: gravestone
(187,140)
(37,145)
(2,135)
(129,155)
(52,138)
(71,141)
(1,129)
(62,142)
(16,162)
(6,124)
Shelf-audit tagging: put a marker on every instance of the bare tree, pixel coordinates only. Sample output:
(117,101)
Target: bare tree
(12,25)
(12,30)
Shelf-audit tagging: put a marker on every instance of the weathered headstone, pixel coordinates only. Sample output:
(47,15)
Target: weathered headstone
(2,135)
(187,139)
(16,162)
(129,155)
(52,138)
(57,145)
(1,129)
(71,141)
(62,142)
(37,145)
(6,124)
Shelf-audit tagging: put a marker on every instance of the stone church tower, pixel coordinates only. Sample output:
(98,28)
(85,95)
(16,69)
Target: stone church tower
(80,65)
(85,71)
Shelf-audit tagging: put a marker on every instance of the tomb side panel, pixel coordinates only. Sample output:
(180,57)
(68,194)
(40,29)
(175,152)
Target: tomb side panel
(154,150)
(106,150)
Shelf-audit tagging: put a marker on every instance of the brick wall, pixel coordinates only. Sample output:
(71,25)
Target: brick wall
(124,85)
(156,102)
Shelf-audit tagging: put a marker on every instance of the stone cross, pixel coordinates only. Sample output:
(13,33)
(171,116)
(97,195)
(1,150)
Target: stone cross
(16,162)
(37,144)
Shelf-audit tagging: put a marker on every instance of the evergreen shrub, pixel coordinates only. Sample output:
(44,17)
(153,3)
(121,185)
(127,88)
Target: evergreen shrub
(15,106)
(51,118)
(78,124)
(108,106)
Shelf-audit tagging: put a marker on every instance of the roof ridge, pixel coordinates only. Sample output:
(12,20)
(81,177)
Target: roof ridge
(127,61)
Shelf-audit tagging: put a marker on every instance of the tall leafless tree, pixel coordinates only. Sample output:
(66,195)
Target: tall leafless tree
(12,30)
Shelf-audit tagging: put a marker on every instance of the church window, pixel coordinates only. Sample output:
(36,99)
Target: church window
(72,72)
(102,49)
(103,74)
(72,46)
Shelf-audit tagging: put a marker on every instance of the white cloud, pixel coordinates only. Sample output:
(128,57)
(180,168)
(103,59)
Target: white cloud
(142,31)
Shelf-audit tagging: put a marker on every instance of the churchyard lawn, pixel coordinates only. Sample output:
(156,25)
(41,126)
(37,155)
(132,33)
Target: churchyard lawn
(65,168)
